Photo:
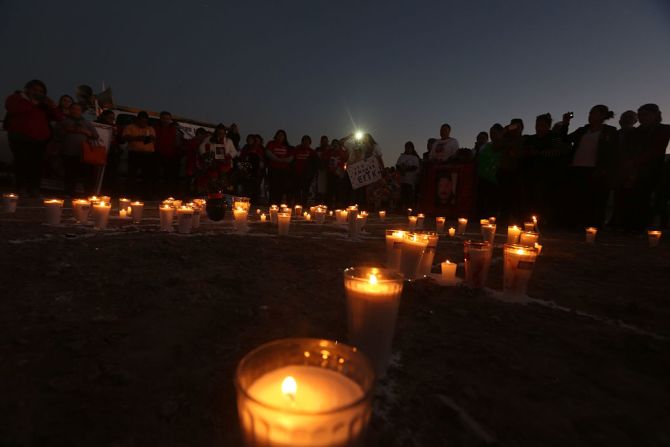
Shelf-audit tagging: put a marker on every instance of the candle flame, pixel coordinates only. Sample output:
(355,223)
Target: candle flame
(289,387)
(373,279)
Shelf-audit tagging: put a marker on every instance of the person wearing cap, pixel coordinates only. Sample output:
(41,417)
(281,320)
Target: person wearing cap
(140,137)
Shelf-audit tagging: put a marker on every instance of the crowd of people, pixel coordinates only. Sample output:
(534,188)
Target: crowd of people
(594,175)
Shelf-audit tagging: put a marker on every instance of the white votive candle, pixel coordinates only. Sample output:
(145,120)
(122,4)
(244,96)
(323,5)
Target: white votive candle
(166,213)
(452,231)
(184,219)
(513,233)
(654,237)
(137,211)
(519,263)
(101,215)
(591,235)
(420,218)
(426,263)
(283,222)
(462,224)
(240,215)
(411,222)
(477,262)
(394,240)
(53,211)
(489,232)
(263,217)
(448,272)
(81,209)
(439,224)
(382,216)
(413,247)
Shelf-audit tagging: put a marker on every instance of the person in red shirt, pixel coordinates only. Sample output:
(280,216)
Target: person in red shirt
(279,157)
(27,123)
(304,168)
(168,152)
(339,187)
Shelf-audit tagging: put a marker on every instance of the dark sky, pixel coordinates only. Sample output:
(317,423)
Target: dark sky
(397,69)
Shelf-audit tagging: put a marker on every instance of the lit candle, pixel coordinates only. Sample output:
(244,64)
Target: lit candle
(137,211)
(184,219)
(448,272)
(462,224)
(519,263)
(342,217)
(94,199)
(411,224)
(420,218)
(263,217)
(489,232)
(413,247)
(9,201)
(477,262)
(426,263)
(452,231)
(273,213)
(298,210)
(439,224)
(304,392)
(409,211)
(330,213)
(528,226)
(591,235)
(535,223)
(358,225)
(196,213)
(654,237)
(124,203)
(319,215)
(166,216)
(352,220)
(176,204)
(81,209)
(308,217)
(528,238)
(394,239)
(364,216)
(242,202)
(200,203)
(373,297)
(258,211)
(382,216)
(283,222)
(123,213)
(101,214)
(492,220)
(240,216)
(54,211)
(513,233)
(538,247)
(483,222)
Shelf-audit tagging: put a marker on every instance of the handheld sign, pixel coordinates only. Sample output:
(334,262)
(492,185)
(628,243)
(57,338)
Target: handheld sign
(364,172)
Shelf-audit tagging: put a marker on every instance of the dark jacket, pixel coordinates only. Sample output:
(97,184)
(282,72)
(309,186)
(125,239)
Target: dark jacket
(608,160)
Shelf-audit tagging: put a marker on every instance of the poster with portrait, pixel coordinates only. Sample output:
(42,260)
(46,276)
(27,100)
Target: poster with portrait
(448,190)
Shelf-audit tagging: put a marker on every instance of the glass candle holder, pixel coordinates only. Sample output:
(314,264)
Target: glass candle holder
(528,238)
(394,240)
(462,225)
(382,216)
(654,237)
(241,216)
(184,219)
(489,232)
(452,232)
(420,218)
(166,213)
(448,274)
(411,222)
(529,226)
(426,263)
(137,209)
(439,225)
(53,211)
(81,209)
(9,201)
(513,233)
(304,392)
(591,235)
(320,215)
(273,211)
(477,262)
(519,262)
(413,247)
(124,204)
(373,297)
(101,215)
(242,202)
(283,222)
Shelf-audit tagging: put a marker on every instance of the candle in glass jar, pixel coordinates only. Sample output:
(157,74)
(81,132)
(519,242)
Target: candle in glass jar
(513,233)
(483,222)
(654,237)
(452,231)
(373,297)
(123,214)
(519,263)
(308,217)
(489,232)
(492,220)
(413,247)
(439,224)
(411,222)
(535,223)
(263,217)
(137,211)
(81,209)
(273,213)
(298,210)
(184,219)
(283,222)
(420,218)
(124,203)
(54,211)
(426,263)
(382,216)
(477,262)
(528,238)
(319,215)
(462,224)
(538,247)
(9,201)
(591,235)
(166,216)
(101,214)
(240,215)
(528,226)
(394,240)
(448,272)
(304,392)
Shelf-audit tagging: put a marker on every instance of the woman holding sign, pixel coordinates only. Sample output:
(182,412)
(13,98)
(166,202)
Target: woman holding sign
(362,147)
(215,161)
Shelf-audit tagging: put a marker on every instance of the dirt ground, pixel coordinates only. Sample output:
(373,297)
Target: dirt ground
(130,337)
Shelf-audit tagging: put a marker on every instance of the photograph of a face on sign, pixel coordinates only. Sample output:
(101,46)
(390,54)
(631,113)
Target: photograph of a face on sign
(219,151)
(445,189)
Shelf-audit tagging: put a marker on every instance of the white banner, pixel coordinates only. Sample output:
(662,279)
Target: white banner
(364,172)
(104,134)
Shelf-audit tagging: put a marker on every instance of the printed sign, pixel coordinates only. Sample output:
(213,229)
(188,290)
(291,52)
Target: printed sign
(364,172)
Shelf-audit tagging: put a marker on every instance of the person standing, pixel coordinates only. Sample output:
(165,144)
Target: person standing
(168,152)
(249,167)
(141,138)
(64,103)
(279,156)
(192,147)
(71,133)
(216,157)
(408,165)
(304,169)
(29,113)
(446,147)
(323,155)
(593,167)
(510,174)
(488,160)
(360,150)
(111,178)
(338,187)
(482,139)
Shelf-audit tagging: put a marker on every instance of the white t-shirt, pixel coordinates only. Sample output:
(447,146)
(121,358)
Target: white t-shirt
(221,150)
(444,149)
(587,152)
(406,160)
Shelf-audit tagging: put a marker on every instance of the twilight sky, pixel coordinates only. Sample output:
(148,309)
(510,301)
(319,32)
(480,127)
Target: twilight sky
(396,68)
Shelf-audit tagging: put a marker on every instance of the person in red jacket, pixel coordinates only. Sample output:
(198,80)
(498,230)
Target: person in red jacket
(279,157)
(304,168)
(168,152)
(27,123)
